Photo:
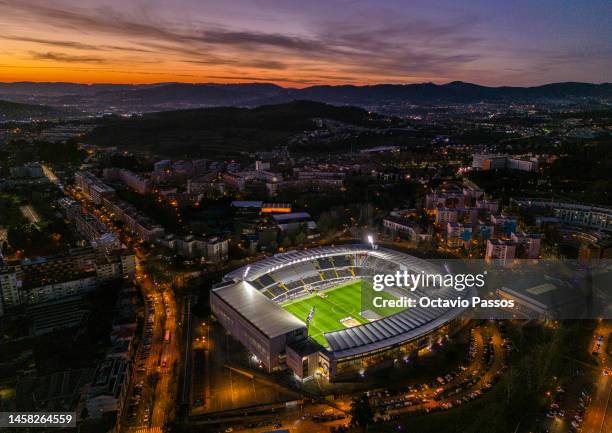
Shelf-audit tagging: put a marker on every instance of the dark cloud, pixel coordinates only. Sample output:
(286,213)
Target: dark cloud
(380,49)
(375,43)
(200,59)
(242,78)
(63,44)
(74,45)
(66,58)
(252,39)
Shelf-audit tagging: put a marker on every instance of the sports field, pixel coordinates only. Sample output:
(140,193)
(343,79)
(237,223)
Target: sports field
(336,304)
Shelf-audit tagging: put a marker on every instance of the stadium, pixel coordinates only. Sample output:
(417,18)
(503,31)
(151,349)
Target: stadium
(311,311)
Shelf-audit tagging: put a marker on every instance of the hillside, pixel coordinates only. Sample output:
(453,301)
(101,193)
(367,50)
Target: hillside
(10,111)
(455,92)
(171,96)
(227,130)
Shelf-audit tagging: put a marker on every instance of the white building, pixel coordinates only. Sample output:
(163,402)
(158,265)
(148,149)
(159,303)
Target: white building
(92,187)
(499,250)
(403,227)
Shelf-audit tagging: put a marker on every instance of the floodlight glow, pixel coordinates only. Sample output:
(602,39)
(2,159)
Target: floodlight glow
(246,271)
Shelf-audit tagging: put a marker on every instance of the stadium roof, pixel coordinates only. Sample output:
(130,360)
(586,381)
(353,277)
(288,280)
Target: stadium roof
(395,329)
(258,309)
(289,258)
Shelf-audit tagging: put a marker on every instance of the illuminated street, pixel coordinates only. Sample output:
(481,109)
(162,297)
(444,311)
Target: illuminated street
(598,417)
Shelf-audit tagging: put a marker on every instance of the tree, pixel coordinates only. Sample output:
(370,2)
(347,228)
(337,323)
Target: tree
(361,412)
(300,238)
(324,224)
(286,242)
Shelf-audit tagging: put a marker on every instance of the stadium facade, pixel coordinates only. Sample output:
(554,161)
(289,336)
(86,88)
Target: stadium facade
(247,303)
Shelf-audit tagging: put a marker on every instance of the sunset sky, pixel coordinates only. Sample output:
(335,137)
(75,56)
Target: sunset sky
(307,42)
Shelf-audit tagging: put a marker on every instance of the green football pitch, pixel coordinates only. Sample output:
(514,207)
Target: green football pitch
(339,303)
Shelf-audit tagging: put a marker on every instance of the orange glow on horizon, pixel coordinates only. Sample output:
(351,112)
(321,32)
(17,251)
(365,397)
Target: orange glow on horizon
(112,67)
(85,75)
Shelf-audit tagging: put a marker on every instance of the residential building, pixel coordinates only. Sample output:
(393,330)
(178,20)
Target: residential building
(293,221)
(528,244)
(129,178)
(444,199)
(446,215)
(458,234)
(483,161)
(262,166)
(92,187)
(31,170)
(500,250)
(595,217)
(504,226)
(403,227)
(107,392)
(92,229)
(55,277)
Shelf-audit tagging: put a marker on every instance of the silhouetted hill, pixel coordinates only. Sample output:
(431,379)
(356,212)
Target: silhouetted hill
(211,93)
(457,91)
(28,88)
(227,130)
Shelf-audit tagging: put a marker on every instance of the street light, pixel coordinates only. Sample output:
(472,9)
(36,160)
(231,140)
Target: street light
(246,271)
(371,241)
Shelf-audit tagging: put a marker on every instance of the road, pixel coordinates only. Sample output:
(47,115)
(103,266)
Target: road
(30,214)
(598,417)
(157,366)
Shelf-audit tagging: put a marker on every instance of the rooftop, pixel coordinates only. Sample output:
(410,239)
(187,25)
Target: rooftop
(258,309)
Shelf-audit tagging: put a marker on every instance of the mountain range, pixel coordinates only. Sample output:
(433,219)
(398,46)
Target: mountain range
(96,98)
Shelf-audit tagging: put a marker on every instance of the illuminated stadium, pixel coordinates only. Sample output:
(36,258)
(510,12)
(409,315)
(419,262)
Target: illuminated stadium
(311,311)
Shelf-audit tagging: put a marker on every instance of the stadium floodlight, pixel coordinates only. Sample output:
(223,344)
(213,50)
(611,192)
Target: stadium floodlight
(246,271)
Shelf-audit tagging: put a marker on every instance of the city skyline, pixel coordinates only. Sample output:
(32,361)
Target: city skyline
(298,45)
